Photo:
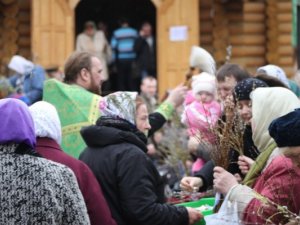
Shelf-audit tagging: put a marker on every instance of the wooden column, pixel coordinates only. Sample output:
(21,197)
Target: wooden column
(206,25)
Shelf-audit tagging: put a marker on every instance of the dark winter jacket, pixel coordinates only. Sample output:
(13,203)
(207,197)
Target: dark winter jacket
(133,188)
(97,207)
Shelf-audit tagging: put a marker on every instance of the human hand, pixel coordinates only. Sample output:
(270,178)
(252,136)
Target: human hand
(223,180)
(194,215)
(177,95)
(151,149)
(245,163)
(189,183)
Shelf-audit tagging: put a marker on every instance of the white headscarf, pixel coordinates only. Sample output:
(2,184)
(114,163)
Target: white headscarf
(275,71)
(119,104)
(20,64)
(267,105)
(46,121)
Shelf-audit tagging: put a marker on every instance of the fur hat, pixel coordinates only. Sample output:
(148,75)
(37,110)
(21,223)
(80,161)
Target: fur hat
(285,129)
(202,59)
(204,82)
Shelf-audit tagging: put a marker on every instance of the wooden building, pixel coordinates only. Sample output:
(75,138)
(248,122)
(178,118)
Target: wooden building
(259,32)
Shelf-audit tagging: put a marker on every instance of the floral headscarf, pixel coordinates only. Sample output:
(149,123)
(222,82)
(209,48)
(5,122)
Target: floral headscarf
(120,105)
(46,121)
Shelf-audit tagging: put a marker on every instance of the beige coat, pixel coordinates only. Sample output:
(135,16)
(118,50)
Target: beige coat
(97,45)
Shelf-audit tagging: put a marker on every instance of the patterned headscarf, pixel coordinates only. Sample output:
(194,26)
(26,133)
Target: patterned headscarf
(243,89)
(120,105)
(46,121)
(274,71)
(16,123)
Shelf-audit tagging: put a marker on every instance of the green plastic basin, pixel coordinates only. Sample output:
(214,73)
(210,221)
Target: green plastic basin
(196,204)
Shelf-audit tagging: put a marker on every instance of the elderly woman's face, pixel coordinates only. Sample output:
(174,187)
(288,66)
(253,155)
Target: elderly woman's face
(245,110)
(142,120)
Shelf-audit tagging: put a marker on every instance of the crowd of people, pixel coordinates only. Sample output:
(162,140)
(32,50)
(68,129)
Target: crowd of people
(71,156)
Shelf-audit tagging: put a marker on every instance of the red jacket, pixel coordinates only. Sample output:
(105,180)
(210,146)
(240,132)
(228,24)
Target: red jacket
(98,210)
(280,182)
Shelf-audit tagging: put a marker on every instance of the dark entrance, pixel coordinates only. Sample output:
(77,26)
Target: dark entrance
(109,11)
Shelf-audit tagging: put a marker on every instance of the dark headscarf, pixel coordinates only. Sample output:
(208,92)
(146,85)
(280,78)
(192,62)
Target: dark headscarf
(243,89)
(16,123)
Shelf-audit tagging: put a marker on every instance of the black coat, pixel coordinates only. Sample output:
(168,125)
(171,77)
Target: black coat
(146,56)
(131,184)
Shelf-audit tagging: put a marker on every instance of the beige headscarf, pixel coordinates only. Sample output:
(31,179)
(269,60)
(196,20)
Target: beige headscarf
(267,105)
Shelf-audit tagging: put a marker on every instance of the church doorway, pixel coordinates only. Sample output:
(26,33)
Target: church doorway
(108,12)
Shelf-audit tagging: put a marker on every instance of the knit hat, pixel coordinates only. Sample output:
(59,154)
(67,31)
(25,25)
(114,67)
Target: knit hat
(285,130)
(204,82)
(243,89)
(274,71)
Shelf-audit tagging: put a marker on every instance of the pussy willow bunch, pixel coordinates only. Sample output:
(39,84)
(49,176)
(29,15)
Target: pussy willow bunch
(290,217)
(171,150)
(229,136)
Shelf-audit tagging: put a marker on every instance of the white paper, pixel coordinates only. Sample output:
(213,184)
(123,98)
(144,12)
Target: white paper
(178,33)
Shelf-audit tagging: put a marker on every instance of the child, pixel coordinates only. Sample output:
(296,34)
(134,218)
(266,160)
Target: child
(202,114)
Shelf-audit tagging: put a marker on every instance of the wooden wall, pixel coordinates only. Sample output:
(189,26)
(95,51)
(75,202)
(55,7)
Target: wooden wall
(279,24)
(259,32)
(15,30)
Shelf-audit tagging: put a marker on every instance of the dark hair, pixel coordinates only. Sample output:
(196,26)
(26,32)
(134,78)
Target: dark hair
(270,81)
(75,63)
(148,77)
(123,20)
(234,70)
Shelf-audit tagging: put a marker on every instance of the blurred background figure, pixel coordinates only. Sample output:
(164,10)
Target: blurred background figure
(145,48)
(54,72)
(149,93)
(124,56)
(28,80)
(94,41)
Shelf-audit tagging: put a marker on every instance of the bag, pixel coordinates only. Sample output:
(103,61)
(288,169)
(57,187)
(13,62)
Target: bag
(227,215)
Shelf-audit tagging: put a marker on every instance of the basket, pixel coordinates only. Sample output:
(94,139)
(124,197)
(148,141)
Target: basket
(195,204)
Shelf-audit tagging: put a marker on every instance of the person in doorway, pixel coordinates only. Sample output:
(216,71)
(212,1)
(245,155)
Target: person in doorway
(77,99)
(116,153)
(94,41)
(48,132)
(124,56)
(28,80)
(145,48)
(33,190)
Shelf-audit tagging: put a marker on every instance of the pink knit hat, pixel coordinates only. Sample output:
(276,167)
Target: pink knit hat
(204,82)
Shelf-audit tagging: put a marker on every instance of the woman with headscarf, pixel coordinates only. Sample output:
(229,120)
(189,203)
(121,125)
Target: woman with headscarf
(33,190)
(116,153)
(265,177)
(28,80)
(204,178)
(48,132)
(278,73)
